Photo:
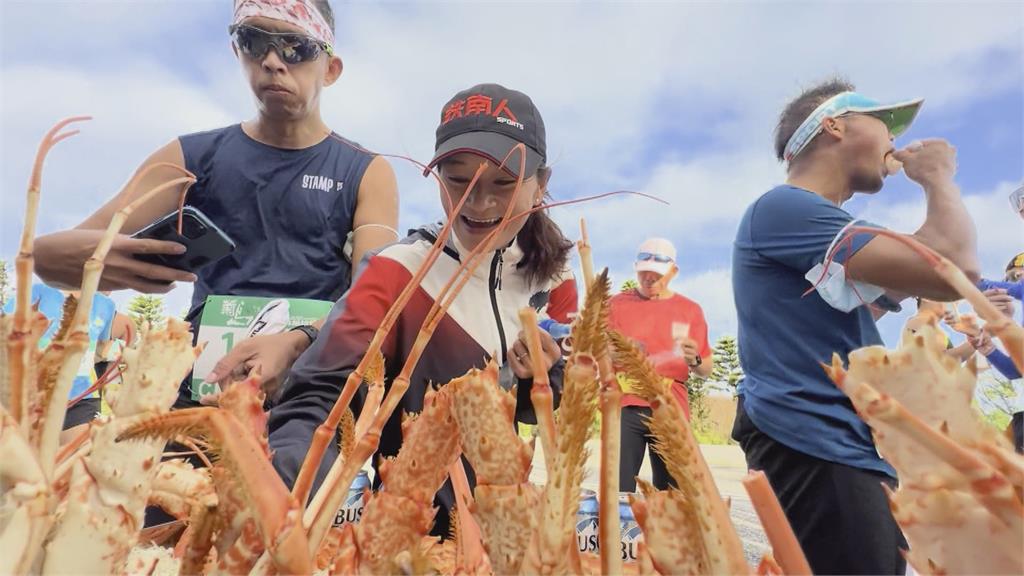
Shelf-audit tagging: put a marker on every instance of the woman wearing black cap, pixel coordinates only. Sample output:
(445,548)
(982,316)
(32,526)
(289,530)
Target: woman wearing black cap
(529,268)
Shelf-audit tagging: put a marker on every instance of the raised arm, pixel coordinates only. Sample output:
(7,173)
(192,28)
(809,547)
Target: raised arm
(948,229)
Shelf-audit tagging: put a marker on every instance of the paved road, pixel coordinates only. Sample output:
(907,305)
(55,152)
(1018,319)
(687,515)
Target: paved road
(727,467)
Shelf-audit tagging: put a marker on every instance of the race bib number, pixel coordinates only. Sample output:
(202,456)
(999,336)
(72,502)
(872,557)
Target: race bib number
(227,320)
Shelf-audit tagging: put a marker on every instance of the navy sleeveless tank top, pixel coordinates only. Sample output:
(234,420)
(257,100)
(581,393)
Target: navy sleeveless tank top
(288,211)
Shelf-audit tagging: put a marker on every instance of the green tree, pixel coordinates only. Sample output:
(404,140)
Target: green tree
(5,282)
(727,372)
(147,308)
(996,398)
(629,285)
(697,393)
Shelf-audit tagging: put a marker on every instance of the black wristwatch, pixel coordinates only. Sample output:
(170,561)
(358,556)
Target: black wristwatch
(311,332)
(697,363)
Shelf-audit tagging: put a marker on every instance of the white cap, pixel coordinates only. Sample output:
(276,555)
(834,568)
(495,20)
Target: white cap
(652,250)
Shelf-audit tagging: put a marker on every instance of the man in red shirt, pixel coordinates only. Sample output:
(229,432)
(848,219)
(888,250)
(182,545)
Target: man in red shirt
(671,330)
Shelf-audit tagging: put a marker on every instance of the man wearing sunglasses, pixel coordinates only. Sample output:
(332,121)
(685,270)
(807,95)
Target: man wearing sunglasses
(301,203)
(672,331)
(802,284)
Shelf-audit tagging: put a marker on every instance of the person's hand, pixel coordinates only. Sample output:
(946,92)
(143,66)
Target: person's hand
(271,354)
(948,316)
(928,161)
(519,356)
(967,325)
(982,342)
(1001,300)
(690,351)
(667,363)
(60,258)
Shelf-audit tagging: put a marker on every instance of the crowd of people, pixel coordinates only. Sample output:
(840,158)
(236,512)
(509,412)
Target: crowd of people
(261,182)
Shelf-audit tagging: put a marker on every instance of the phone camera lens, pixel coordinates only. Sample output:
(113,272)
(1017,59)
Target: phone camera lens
(192,228)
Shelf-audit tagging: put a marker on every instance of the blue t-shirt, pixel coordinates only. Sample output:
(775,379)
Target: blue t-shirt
(101,318)
(785,336)
(288,211)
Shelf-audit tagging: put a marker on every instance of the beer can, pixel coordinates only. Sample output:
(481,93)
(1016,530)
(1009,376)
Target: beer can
(586,522)
(630,530)
(352,508)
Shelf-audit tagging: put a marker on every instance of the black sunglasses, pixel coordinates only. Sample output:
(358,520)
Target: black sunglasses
(292,48)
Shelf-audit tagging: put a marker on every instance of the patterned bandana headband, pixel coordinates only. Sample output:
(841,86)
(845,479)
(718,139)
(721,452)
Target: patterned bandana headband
(300,13)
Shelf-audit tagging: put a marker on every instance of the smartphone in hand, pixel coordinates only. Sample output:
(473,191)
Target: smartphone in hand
(204,242)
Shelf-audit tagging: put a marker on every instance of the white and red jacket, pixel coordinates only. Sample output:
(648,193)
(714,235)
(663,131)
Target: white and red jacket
(483,320)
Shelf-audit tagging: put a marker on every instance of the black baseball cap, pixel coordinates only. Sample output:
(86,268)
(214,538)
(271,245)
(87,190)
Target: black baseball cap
(489,120)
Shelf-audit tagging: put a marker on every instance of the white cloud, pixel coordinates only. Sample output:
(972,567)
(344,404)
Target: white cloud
(707,196)
(105,29)
(608,77)
(1000,236)
(1000,231)
(617,84)
(677,100)
(136,109)
(713,291)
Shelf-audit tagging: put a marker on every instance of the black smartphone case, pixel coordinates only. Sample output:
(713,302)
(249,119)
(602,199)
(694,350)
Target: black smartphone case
(204,242)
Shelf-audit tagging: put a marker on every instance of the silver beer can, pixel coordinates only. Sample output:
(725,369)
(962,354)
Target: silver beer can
(352,508)
(630,530)
(586,522)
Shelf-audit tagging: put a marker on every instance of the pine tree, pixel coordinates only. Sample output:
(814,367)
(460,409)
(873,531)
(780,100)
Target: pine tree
(5,282)
(696,393)
(727,372)
(996,397)
(147,308)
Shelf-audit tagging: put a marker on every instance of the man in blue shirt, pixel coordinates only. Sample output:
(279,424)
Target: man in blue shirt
(792,422)
(101,318)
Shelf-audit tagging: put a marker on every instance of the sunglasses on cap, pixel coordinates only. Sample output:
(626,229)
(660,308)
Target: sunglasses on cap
(291,47)
(646,256)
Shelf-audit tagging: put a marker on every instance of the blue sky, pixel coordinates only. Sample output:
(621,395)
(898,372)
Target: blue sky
(677,100)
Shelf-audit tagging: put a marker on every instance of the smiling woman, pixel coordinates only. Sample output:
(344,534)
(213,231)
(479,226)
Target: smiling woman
(482,123)
(522,265)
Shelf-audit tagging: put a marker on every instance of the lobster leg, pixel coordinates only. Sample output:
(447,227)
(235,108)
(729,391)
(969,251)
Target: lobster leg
(22,536)
(20,346)
(324,433)
(501,460)
(397,518)
(714,542)
(318,520)
(276,512)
